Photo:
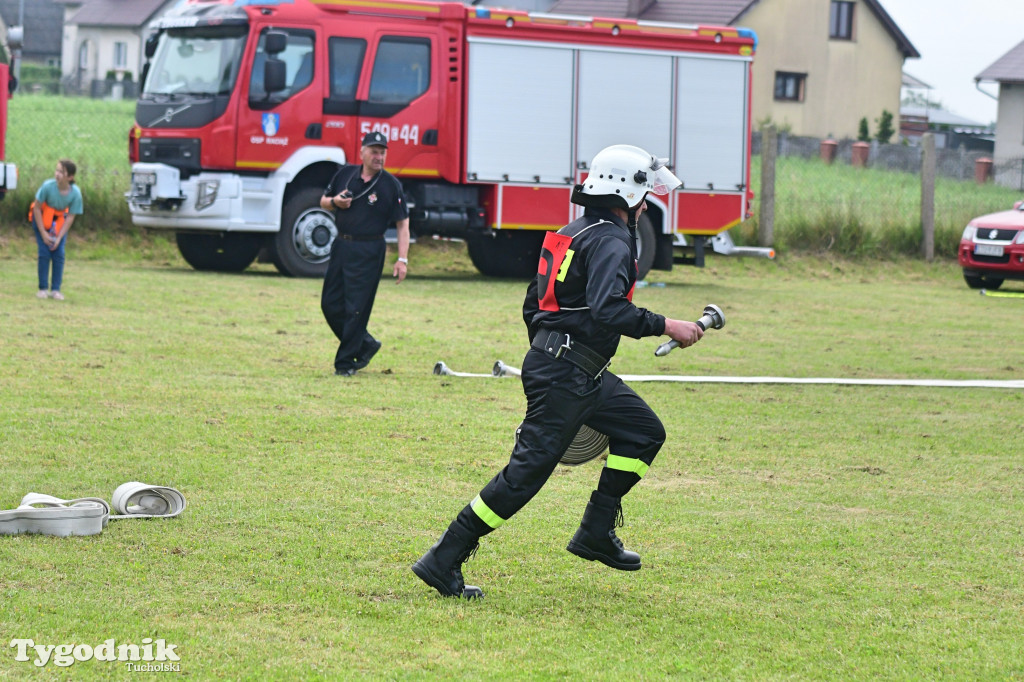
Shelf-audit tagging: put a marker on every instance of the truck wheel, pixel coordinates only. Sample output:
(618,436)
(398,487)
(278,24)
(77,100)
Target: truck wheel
(302,247)
(506,253)
(219,251)
(976,281)
(647,246)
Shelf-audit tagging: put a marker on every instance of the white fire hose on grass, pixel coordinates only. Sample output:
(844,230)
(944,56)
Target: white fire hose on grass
(49,515)
(589,444)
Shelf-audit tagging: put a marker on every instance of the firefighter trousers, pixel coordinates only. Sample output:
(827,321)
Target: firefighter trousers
(560,398)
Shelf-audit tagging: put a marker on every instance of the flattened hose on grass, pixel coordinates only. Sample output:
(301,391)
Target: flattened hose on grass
(49,515)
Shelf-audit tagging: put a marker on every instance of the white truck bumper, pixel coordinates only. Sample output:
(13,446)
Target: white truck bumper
(209,201)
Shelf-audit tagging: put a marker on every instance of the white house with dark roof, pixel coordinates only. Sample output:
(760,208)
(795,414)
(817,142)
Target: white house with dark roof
(1008,72)
(106,36)
(41,41)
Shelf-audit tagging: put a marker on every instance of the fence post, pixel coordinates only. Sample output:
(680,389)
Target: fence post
(766,218)
(928,196)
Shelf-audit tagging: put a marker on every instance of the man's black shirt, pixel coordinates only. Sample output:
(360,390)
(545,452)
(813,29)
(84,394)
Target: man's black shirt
(376,205)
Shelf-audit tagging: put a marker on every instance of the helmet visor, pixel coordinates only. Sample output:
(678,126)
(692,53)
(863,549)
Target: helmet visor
(662,179)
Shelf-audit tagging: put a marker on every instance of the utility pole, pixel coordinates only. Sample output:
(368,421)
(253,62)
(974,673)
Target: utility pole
(766,218)
(928,196)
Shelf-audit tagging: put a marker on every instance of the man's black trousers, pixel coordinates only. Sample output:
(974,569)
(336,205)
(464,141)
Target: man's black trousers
(350,287)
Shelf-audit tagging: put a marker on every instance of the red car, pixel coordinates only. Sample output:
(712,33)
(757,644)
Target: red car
(992,248)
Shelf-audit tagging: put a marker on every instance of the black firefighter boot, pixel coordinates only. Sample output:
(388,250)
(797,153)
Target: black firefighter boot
(441,566)
(596,540)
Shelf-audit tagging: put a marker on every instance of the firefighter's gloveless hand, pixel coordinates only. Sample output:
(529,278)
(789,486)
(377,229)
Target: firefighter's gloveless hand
(685,333)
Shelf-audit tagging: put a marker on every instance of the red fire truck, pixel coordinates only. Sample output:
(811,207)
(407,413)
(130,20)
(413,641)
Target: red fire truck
(248,107)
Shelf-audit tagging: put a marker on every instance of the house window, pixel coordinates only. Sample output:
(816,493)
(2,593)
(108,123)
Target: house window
(120,55)
(789,86)
(840,24)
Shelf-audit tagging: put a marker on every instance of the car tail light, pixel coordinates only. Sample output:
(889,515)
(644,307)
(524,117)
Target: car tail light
(133,143)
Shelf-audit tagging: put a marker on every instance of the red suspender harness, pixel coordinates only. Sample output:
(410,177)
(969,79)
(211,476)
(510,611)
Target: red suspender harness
(552,254)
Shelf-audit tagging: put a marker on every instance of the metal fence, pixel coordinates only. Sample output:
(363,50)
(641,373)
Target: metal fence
(92,133)
(1009,174)
(958,164)
(835,200)
(876,209)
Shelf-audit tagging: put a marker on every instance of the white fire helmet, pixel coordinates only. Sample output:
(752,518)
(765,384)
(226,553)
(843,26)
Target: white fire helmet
(621,176)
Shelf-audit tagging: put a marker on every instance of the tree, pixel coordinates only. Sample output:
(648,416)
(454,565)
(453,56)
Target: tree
(885,130)
(862,132)
(917,99)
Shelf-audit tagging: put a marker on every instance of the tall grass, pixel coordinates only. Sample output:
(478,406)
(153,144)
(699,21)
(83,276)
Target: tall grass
(92,133)
(865,212)
(820,208)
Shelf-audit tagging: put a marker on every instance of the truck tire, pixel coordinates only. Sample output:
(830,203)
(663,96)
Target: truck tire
(978,281)
(506,253)
(302,247)
(219,251)
(647,246)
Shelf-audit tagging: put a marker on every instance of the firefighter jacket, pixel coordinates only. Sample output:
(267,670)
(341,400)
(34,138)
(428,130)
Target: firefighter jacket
(584,285)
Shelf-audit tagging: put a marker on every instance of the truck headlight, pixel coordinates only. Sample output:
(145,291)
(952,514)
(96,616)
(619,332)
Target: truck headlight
(207,193)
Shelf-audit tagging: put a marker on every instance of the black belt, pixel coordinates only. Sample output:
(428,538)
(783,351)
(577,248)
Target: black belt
(562,346)
(360,237)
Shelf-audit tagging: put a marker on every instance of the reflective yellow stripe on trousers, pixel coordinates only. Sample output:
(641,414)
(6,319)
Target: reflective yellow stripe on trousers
(485,513)
(627,464)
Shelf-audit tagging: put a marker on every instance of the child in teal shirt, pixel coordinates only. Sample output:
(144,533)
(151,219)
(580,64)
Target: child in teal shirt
(57,203)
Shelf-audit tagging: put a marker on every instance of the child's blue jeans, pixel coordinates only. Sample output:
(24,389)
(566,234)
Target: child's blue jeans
(46,257)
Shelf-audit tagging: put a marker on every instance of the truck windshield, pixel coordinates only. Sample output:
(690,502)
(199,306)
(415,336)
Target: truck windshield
(196,61)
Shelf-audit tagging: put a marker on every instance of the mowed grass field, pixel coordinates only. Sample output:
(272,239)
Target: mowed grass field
(787,531)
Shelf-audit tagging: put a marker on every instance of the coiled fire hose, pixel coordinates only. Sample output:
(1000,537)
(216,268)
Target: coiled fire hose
(49,515)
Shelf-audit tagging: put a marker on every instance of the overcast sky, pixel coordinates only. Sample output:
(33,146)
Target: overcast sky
(957,41)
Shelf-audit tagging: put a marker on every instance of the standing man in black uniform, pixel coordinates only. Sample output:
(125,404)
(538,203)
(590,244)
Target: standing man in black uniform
(366,200)
(576,309)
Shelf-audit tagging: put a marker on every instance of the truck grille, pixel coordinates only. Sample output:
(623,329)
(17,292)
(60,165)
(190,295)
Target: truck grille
(180,153)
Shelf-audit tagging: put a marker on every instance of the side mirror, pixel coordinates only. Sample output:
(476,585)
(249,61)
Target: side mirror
(15,37)
(151,43)
(1017,205)
(275,77)
(275,42)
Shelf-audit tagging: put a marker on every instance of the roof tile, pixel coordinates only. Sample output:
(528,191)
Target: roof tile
(1007,69)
